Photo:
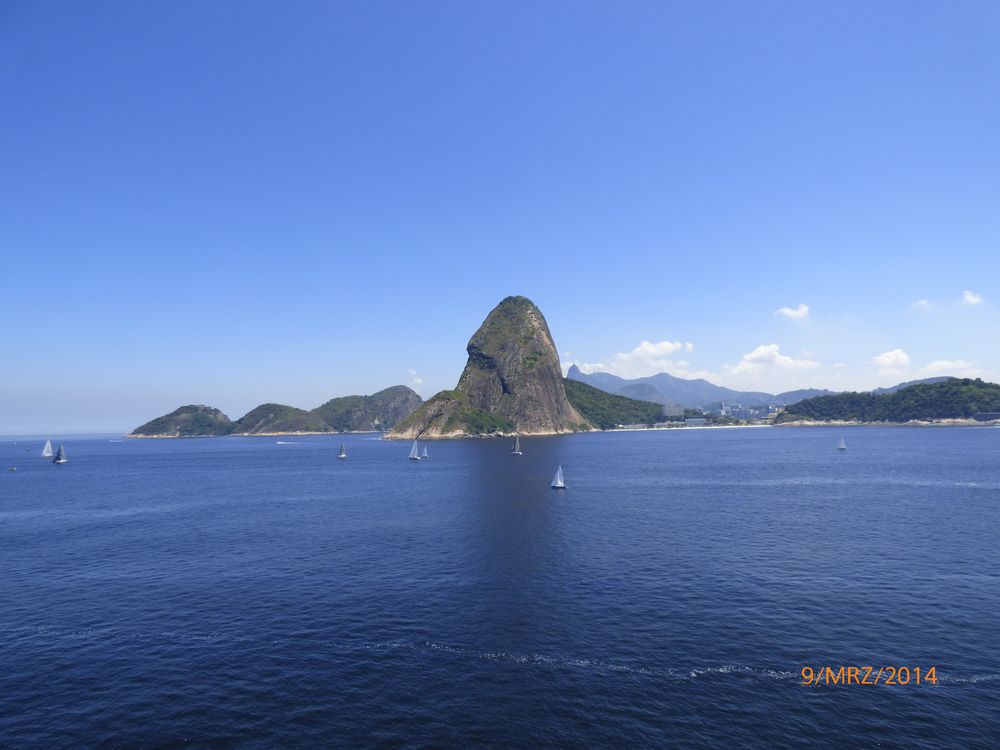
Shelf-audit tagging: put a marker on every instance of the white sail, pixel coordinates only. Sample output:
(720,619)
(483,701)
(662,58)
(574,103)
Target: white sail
(516,450)
(842,446)
(47,450)
(424,454)
(557,480)
(343,451)
(414,452)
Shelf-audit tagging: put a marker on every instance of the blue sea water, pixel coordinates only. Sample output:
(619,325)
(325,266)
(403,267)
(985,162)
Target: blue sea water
(240,592)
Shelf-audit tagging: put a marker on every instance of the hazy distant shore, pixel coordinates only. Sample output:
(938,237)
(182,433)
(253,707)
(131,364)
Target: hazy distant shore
(817,423)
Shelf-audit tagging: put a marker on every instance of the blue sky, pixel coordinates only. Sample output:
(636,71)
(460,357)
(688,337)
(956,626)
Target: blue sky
(231,203)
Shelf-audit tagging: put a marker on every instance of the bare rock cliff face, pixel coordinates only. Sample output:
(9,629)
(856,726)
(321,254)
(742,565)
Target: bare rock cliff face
(512,382)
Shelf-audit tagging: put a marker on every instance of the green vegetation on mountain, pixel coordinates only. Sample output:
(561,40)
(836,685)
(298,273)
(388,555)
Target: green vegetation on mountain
(473,421)
(450,412)
(279,418)
(606,410)
(187,421)
(512,382)
(380,411)
(950,399)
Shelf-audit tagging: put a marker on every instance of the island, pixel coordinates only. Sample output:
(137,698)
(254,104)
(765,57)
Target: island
(512,384)
(379,411)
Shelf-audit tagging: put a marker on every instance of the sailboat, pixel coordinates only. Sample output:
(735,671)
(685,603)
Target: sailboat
(557,480)
(424,454)
(516,450)
(414,455)
(47,450)
(842,446)
(60,456)
(343,451)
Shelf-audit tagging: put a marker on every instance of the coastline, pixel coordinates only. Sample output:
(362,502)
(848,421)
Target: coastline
(686,427)
(957,422)
(953,422)
(484,436)
(249,434)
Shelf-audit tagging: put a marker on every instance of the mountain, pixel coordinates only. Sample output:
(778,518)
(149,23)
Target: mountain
(692,394)
(952,398)
(379,411)
(512,382)
(605,410)
(187,421)
(908,383)
(639,392)
(664,388)
(271,418)
(793,397)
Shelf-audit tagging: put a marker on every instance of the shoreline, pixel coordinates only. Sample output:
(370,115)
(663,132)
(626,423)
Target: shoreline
(957,422)
(950,422)
(249,434)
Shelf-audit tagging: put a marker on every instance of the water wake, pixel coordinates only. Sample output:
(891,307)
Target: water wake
(555,661)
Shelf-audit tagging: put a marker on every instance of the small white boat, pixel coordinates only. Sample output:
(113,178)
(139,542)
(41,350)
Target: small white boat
(842,446)
(343,451)
(424,454)
(47,450)
(516,450)
(60,456)
(557,480)
(414,452)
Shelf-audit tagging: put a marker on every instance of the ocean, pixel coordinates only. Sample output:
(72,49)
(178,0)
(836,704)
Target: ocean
(260,593)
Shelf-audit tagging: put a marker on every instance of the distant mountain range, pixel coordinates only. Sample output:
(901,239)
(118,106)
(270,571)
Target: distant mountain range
(664,388)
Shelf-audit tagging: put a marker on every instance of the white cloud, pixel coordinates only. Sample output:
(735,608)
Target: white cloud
(767,369)
(418,381)
(646,359)
(795,313)
(895,359)
(968,299)
(960,368)
(768,357)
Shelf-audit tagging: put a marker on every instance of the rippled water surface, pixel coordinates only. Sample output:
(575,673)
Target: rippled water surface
(241,592)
